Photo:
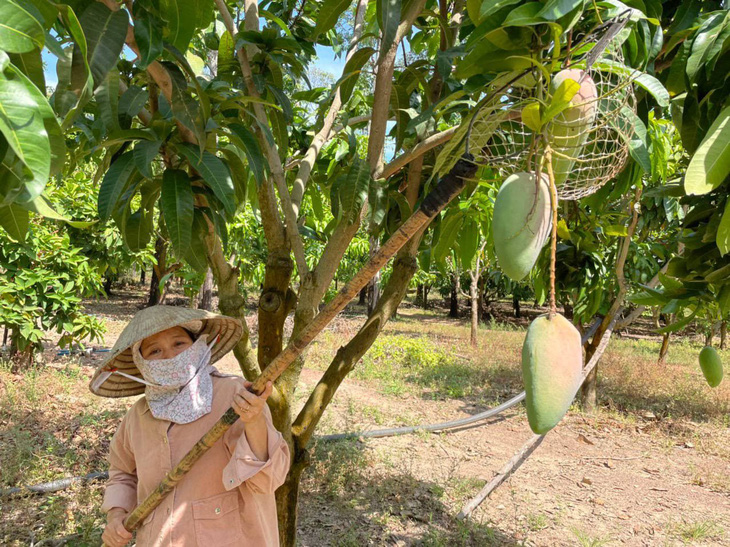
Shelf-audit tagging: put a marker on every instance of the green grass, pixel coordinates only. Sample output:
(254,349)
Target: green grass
(705,530)
(586,540)
(52,427)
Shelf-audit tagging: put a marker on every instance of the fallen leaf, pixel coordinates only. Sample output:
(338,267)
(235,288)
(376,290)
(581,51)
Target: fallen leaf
(585,439)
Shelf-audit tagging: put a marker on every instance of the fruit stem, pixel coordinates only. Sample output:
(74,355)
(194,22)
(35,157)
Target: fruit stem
(554,231)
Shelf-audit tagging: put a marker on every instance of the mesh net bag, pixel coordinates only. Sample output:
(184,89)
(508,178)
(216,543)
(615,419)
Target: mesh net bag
(499,134)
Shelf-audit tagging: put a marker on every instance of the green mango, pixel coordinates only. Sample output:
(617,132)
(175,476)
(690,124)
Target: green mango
(552,364)
(711,366)
(570,129)
(521,223)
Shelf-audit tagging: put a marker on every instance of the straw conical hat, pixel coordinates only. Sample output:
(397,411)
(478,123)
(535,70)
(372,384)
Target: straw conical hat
(150,321)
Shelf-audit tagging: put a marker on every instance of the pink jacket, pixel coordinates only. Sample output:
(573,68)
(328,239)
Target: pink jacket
(228,496)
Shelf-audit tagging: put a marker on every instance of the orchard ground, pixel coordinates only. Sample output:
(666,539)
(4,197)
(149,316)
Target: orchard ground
(651,467)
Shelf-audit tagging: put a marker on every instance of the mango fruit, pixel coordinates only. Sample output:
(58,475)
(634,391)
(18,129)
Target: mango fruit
(552,363)
(521,223)
(570,129)
(711,366)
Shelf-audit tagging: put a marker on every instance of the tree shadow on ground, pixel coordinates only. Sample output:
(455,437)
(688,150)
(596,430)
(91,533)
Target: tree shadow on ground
(347,501)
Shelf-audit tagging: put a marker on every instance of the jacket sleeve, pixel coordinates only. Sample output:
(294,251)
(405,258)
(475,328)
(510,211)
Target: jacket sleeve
(245,470)
(121,488)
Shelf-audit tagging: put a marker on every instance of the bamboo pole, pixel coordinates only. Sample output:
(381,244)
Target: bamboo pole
(448,188)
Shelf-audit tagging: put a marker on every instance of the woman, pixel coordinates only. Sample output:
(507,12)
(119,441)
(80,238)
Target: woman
(228,496)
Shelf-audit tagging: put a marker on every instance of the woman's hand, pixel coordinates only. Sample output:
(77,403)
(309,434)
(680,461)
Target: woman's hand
(115,534)
(250,406)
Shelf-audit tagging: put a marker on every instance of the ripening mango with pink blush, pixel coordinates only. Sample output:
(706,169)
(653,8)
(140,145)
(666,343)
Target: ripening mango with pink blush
(552,363)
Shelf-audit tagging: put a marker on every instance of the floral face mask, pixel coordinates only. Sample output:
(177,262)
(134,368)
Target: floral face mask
(179,389)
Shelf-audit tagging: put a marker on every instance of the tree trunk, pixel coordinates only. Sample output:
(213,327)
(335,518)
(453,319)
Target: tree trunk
(374,285)
(474,293)
(20,359)
(160,257)
(108,280)
(455,288)
(143,276)
(426,290)
(723,333)
(419,294)
(709,335)
(363,300)
(664,350)
(516,306)
(206,292)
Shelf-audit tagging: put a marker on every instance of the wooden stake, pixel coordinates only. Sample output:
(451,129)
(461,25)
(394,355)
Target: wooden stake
(510,467)
(448,188)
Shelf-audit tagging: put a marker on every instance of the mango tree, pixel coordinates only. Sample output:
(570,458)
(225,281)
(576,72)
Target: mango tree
(185,140)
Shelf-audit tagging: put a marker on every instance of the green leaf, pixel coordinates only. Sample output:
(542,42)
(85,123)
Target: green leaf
(42,206)
(176,203)
(328,15)
(21,29)
(184,107)
(723,231)
(531,116)
(561,99)
(74,94)
(105,31)
(130,104)
(214,173)
(703,43)
(227,61)
(239,172)
(468,242)
(30,64)
(115,183)
(388,12)
(351,72)
(197,255)
(22,125)
(377,205)
(281,133)
(138,229)
(649,83)
(354,190)
(710,164)
(181,20)
(639,141)
(148,35)
(450,227)
(479,10)
(249,145)
(15,221)
(678,325)
(107,98)
(524,15)
(555,9)
(144,153)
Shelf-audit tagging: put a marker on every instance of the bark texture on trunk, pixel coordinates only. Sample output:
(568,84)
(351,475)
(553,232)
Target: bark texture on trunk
(454,301)
(206,292)
(723,334)
(160,258)
(374,285)
(664,350)
(474,294)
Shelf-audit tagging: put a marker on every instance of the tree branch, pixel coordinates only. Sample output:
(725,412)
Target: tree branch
(420,149)
(307,163)
(275,164)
